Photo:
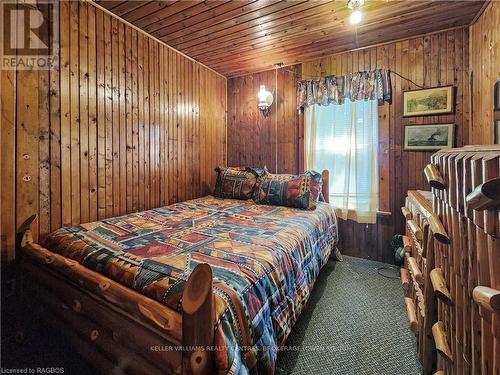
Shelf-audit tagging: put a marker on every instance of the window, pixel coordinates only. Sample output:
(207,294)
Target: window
(344,139)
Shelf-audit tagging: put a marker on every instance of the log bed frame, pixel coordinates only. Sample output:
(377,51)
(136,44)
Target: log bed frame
(113,326)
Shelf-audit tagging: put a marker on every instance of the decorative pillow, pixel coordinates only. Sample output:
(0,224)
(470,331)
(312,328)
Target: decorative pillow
(299,191)
(235,182)
(259,171)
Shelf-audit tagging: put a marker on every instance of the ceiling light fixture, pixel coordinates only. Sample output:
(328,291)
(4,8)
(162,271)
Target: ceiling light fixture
(356,15)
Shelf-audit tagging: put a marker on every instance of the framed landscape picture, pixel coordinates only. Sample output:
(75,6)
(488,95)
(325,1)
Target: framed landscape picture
(429,137)
(434,101)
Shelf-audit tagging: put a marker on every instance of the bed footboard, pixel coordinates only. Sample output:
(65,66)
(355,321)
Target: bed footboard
(112,325)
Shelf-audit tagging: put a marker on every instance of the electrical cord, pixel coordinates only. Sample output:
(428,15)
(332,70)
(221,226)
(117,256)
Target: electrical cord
(392,268)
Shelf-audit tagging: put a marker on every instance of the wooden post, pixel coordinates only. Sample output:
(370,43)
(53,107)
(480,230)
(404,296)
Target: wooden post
(198,323)
(21,231)
(325,190)
(23,318)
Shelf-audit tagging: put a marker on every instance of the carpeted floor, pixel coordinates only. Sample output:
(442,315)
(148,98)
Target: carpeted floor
(354,323)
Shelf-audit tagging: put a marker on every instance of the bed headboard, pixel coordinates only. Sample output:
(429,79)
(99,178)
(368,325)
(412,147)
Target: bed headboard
(325,190)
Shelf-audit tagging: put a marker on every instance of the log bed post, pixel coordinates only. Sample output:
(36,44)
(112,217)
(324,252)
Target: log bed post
(198,323)
(22,230)
(23,318)
(325,190)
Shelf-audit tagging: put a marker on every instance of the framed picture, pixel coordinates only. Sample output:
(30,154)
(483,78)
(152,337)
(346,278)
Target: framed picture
(429,137)
(434,101)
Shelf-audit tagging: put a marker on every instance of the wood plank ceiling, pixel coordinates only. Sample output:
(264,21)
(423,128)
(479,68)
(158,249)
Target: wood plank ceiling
(245,36)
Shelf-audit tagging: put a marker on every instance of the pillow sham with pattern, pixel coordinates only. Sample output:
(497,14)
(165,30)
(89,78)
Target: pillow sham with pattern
(235,182)
(259,171)
(299,191)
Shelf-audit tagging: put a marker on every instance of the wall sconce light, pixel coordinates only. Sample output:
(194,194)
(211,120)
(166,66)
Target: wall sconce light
(355,6)
(265,100)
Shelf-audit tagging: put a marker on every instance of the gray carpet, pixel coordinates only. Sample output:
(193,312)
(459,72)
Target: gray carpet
(354,323)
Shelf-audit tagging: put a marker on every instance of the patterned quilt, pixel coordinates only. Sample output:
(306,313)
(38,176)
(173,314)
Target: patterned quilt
(264,259)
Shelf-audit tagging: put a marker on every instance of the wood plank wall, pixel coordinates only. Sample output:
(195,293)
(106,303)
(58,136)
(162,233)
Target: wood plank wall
(431,60)
(123,124)
(485,71)
(256,140)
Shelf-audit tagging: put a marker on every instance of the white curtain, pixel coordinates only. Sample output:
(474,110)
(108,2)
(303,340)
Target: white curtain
(343,139)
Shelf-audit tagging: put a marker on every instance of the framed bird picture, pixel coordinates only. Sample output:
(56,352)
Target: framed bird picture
(428,137)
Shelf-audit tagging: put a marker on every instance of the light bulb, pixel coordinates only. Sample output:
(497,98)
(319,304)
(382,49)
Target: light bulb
(262,94)
(356,17)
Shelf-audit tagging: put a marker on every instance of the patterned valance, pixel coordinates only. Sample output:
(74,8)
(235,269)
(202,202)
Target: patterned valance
(375,84)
